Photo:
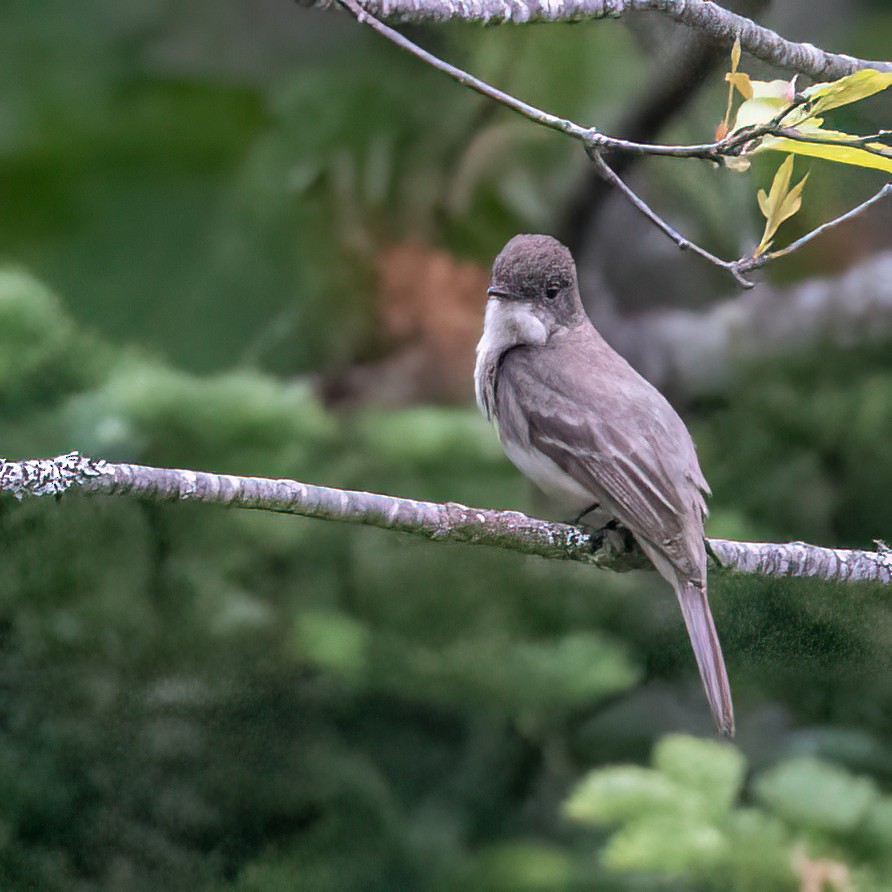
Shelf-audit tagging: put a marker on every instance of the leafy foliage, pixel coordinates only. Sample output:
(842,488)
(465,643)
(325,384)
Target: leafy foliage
(681,817)
(204,644)
(778,104)
(768,101)
(195,695)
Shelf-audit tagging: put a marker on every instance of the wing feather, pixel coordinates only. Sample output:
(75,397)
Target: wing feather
(629,448)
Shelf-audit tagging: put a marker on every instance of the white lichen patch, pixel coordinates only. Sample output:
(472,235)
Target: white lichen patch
(48,476)
(188,484)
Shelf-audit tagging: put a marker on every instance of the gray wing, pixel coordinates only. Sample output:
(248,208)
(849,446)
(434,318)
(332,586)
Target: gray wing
(616,436)
(638,457)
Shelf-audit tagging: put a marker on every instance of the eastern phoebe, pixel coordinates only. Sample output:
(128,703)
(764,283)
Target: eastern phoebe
(591,433)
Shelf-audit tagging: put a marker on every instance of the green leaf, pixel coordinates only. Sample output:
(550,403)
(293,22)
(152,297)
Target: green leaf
(808,792)
(667,845)
(769,99)
(842,154)
(713,769)
(621,793)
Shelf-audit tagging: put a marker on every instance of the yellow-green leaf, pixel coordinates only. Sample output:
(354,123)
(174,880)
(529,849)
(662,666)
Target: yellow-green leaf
(762,198)
(779,186)
(743,84)
(740,80)
(846,90)
(780,203)
(793,201)
(768,100)
(842,154)
(735,54)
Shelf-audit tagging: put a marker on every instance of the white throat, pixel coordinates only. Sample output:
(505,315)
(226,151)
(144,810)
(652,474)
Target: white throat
(508,323)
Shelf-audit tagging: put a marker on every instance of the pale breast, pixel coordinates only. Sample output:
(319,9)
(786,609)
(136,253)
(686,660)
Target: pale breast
(552,480)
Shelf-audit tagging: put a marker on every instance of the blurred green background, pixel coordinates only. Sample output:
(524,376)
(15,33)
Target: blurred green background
(210,214)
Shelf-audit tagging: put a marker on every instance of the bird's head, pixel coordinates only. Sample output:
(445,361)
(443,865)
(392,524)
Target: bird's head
(533,291)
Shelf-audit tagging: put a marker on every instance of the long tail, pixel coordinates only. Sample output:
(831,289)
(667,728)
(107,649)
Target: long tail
(707,650)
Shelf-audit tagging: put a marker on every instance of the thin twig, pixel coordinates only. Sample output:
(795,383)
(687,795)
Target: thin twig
(867,144)
(671,88)
(683,244)
(591,137)
(698,355)
(468,80)
(595,142)
(875,137)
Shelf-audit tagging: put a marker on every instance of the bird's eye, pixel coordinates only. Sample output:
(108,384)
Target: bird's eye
(552,291)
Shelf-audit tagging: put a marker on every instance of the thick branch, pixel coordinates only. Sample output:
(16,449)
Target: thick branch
(439,522)
(701,15)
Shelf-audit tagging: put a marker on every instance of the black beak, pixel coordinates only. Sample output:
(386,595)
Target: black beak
(499,294)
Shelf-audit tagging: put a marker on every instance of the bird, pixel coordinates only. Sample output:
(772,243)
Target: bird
(594,435)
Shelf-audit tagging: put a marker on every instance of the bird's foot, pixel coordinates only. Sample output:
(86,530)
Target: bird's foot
(595,506)
(614,535)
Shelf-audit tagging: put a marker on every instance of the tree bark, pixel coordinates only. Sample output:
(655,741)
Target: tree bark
(701,15)
(436,521)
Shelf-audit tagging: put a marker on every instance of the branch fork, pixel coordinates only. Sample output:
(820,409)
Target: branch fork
(596,142)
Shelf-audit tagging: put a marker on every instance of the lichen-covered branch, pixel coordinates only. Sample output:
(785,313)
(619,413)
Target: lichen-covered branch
(701,15)
(802,559)
(436,521)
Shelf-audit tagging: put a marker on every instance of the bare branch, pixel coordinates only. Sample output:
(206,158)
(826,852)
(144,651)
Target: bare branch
(720,24)
(438,522)
(591,137)
(672,86)
(595,142)
(739,267)
(802,559)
